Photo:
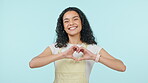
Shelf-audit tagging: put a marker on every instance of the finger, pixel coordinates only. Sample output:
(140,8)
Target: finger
(69,57)
(72,49)
(84,50)
(81,49)
(75,48)
(80,59)
(74,58)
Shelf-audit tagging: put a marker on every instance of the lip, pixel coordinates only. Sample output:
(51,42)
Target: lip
(72,28)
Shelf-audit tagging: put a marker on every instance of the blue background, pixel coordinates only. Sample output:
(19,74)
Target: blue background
(27,27)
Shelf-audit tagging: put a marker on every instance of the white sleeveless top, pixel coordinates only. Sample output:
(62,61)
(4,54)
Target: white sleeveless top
(88,63)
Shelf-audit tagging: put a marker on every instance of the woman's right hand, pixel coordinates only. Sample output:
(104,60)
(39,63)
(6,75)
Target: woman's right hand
(69,53)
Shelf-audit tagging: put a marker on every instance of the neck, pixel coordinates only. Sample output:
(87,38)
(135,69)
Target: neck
(74,39)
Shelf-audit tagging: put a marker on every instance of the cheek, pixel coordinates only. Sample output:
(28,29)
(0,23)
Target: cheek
(65,25)
(80,24)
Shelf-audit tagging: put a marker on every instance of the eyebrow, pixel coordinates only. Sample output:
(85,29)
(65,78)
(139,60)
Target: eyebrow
(72,17)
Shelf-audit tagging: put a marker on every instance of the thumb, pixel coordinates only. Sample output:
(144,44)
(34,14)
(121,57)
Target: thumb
(80,59)
(74,58)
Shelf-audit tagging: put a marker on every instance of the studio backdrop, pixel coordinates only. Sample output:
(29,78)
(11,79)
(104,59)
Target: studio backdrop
(27,27)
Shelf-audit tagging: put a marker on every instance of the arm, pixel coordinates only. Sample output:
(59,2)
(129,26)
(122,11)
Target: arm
(111,62)
(105,59)
(44,58)
(47,57)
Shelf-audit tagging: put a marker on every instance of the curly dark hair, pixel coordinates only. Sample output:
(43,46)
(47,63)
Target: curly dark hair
(86,33)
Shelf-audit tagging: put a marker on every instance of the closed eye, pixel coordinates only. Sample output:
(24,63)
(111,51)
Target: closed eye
(66,21)
(76,19)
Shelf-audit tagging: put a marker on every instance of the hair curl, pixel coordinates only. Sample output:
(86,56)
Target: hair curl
(86,33)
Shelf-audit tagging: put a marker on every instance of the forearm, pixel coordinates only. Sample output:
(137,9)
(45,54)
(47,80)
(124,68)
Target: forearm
(42,61)
(113,64)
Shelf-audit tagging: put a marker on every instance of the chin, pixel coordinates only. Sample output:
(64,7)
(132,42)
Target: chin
(73,34)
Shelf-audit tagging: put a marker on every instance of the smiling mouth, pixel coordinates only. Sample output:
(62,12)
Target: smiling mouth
(72,28)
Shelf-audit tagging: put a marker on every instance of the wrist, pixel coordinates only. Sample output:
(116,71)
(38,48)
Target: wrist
(62,55)
(97,58)
(94,57)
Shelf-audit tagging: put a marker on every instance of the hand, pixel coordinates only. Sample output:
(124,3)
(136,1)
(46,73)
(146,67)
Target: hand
(69,53)
(87,55)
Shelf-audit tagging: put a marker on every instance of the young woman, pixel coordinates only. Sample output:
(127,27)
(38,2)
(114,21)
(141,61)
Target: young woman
(75,50)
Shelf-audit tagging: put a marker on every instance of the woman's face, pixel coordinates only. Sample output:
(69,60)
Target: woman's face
(72,23)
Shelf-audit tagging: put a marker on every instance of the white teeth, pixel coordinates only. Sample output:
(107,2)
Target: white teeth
(72,28)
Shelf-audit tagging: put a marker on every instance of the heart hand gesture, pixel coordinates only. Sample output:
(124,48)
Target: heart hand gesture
(87,55)
(69,53)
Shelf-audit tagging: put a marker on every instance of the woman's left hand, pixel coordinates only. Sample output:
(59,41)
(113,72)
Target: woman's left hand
(87,55)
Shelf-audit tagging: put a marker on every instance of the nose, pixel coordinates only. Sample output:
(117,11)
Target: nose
(71,22)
